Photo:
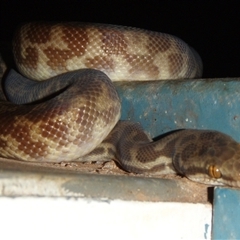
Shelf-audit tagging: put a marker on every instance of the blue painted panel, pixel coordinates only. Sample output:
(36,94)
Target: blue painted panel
(162,106)
(226,214)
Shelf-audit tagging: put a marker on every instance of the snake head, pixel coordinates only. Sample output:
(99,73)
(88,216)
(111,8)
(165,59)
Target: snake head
(210,157)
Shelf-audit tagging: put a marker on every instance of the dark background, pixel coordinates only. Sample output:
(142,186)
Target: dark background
(211,27)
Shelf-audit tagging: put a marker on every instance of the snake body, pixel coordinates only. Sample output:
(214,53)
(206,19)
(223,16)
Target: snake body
(74,115)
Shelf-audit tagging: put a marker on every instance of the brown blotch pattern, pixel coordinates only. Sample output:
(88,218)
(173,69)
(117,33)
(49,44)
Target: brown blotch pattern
(123,151)
(140,137)
(142,63)
(158,43)
(100,62)
(187,138)
(206,136)
(205,150)
(106,48)
(215,137)
(55,131)
(27,145)
(37,33)
(146,154)
(57,57)
(175,63)
(189,151)
(113,41)
(30,58)
(76,39)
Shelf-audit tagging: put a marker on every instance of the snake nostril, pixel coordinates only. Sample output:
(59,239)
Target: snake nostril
(214,171)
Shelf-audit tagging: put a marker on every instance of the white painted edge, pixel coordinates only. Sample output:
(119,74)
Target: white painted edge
(78,218)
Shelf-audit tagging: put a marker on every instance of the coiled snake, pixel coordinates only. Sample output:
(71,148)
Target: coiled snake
(74,116)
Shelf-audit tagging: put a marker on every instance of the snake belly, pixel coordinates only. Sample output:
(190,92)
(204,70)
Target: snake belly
(74,115)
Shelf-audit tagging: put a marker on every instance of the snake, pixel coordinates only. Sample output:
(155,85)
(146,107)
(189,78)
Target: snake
(61,105)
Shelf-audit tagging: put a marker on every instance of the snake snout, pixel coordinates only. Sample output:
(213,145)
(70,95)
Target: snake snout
(226,169)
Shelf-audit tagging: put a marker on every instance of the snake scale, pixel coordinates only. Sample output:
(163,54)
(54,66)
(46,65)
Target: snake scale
(74,114)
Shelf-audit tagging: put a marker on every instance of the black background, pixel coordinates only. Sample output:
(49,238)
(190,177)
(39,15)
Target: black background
(211,27)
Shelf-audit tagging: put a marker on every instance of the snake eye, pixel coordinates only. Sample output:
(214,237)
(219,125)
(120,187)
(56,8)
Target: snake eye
(214,171)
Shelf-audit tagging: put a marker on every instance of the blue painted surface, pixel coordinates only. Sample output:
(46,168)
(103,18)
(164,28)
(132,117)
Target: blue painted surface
(226,214)
(162,106)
